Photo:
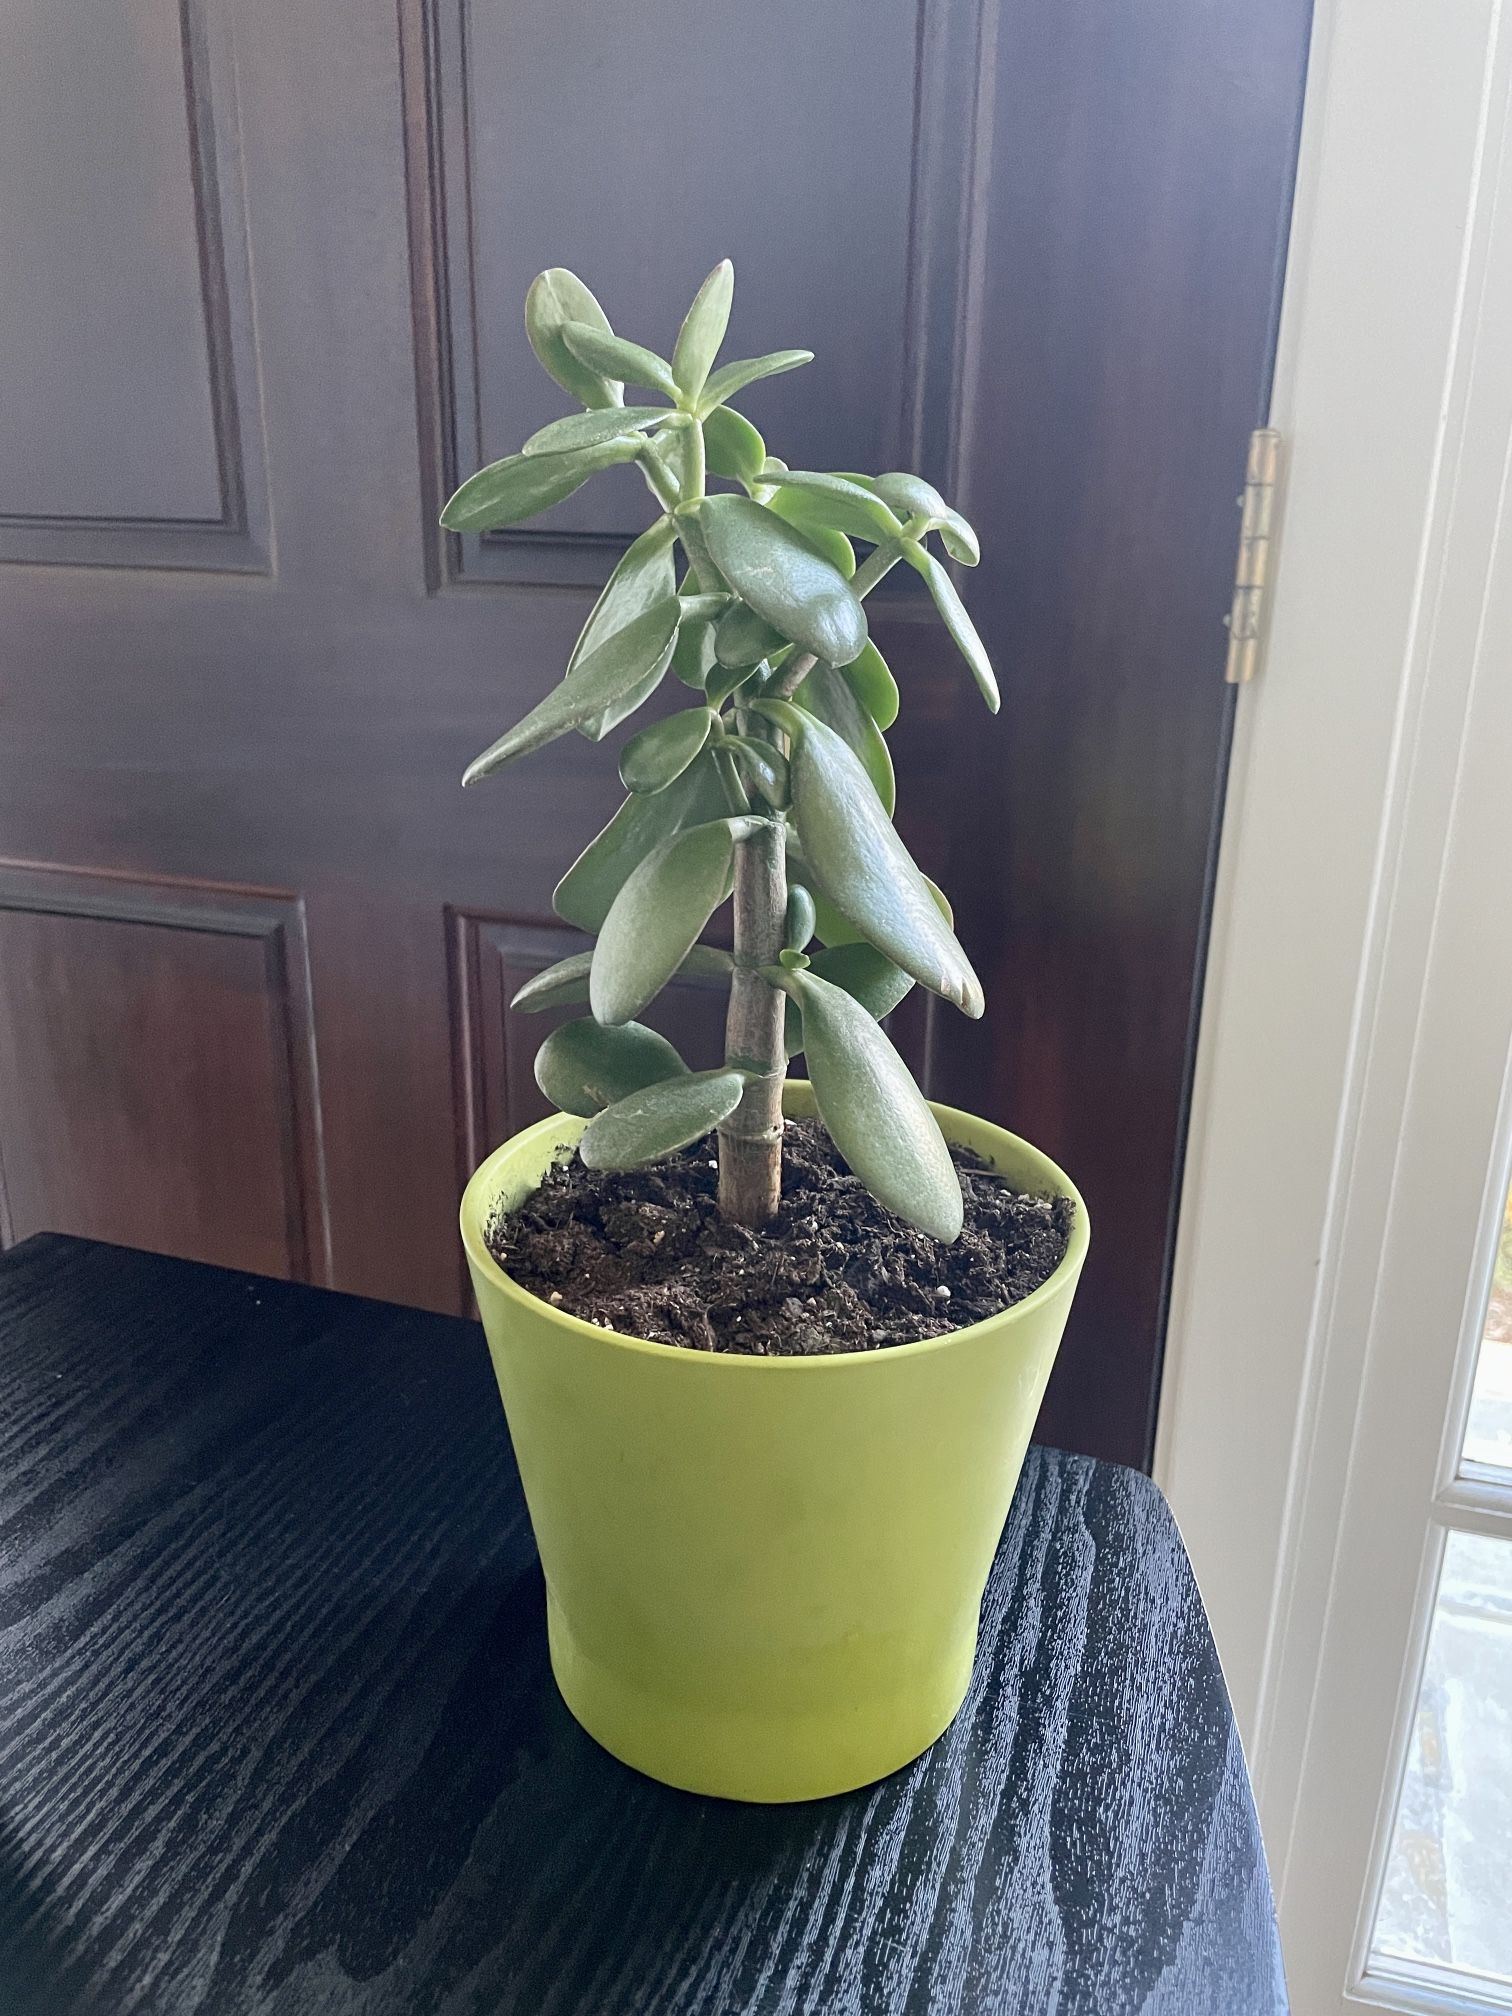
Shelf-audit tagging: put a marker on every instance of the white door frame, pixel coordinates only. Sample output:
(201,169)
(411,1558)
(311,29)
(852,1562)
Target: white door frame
(1394,393)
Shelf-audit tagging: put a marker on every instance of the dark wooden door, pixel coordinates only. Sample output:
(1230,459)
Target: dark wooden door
(264,271)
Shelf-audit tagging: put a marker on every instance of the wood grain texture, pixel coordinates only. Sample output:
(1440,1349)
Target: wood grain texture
(277,1732)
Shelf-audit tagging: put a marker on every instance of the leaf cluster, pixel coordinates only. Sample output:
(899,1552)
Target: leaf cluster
(752,595)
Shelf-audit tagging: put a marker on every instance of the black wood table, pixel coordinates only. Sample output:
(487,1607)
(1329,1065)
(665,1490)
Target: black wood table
(277,1731)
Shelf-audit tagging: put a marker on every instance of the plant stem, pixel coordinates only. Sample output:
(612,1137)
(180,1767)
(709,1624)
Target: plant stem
(750,1141)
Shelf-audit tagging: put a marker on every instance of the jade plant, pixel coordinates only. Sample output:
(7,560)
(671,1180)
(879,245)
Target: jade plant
(774,785)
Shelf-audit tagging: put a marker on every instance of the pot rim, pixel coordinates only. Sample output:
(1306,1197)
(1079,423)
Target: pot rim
(478,1196)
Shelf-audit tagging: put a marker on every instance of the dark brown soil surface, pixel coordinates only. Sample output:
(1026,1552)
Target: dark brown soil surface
(647,1253)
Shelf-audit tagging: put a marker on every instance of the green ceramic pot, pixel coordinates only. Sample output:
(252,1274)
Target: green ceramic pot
(763,1574)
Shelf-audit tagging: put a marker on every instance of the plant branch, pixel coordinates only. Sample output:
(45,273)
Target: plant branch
(750,1141)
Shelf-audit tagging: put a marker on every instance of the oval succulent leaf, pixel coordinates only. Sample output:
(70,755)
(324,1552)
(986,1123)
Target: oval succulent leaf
(958,539)
(867,974)
(725,681)
(703,330)
(521,485)
(597,726)
(843,506)
(587,430)
(771,567)
(582,1067)
(742,638)
(556,298)
(833,929)
(732,446)
(862,971)
(763,766)
(799,920)
(565,984)
(873,684)
(953,612)
(876,1115)
(588,889)
(656,1122)
(911,496)
(732,378)
(792,505)
(665,903)
(561,985)
(619,666)
(693,654)
(643,577)
(612,355)
(651,760)
(827,694)
(855,858)
(675,448)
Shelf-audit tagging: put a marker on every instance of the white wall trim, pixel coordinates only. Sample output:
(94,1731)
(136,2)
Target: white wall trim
(1304,1062)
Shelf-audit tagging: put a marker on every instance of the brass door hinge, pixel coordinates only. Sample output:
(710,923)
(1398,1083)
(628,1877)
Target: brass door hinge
(1246,617)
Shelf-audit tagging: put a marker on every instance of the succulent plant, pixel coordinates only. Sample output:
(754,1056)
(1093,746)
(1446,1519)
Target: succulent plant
(774,785)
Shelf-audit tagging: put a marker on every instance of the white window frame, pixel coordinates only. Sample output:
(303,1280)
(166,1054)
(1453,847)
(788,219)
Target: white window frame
(1308,1379)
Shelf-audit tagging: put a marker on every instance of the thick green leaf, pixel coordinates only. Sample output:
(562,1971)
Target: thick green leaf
(703,330)
(726,680)
(772,567)
(866,973)
(837,503)
(834,547)
(521,485)
(587,430)
(876,1115)
(656,1122)
(612,356)
(792,506)
(953,612)
(651,760)
(798,923)
(585,893)
(911,496)
(833,929)
(700,561)
(675,446)
(665,903)
(763,766)
(742,638)
(732,378)
(827,694)
(597,726)
(557,297)
(873,685)
(861,970)
(561,985)
(643,577)
(732,446)
(566,983)
(582,1067)
(694,652)
(856,859)
(619,666)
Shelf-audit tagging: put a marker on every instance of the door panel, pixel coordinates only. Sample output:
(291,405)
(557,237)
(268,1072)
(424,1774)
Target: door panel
(128,383)
(144,1031)
(1037,259)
